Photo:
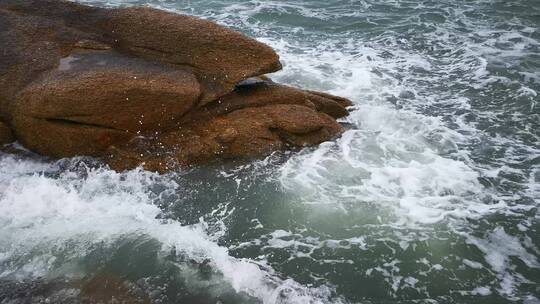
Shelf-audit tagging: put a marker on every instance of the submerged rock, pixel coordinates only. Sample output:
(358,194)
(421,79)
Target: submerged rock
(110,288)
(142,86)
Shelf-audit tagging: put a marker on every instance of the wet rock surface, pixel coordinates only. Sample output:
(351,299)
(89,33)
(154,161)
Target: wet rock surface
(6,135)
(100,288)
(141,86)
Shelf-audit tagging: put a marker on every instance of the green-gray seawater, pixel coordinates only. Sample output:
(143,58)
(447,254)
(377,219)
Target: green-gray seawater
(431,196)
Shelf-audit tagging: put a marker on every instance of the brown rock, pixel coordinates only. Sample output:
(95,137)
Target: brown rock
(139,85)
(332,105)
(94,100)
(6,135)
(259,94)
(244,133)
(218,56)
(110,288)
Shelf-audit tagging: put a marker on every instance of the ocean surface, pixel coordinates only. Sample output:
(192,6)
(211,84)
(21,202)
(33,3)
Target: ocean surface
(432,195)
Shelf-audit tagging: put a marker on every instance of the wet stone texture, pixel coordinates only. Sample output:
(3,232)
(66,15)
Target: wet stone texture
(140,86)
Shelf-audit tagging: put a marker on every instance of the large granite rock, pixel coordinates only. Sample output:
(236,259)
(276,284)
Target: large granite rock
(142,86)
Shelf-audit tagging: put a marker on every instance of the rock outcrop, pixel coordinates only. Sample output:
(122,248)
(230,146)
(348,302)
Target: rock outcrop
(143,86)
(6,135)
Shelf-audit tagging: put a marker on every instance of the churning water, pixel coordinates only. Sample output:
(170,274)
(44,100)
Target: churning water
(431,196)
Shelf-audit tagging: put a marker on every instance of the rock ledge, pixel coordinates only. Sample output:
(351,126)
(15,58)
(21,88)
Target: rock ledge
(142,86)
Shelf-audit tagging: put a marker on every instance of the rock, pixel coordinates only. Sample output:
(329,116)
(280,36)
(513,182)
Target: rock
(259,92)
(6,135)
(139,85)
(103,287)
(122,97)
(219,56)
(242,125)
(110,288)
(334,106)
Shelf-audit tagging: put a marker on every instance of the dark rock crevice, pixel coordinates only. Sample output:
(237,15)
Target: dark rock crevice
(75,123)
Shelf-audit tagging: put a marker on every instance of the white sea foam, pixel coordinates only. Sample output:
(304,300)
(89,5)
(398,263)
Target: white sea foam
(42,217)
(498,248)
(407,163)
(395,158)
